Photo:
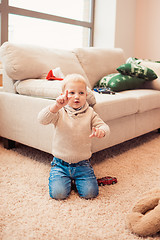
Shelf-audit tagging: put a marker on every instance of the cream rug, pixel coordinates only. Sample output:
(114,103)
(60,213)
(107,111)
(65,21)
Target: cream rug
(27,212)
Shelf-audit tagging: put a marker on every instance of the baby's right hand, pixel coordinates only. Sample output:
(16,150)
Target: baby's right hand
(63,100)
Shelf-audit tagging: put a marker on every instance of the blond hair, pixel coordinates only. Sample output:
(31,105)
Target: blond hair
(73,78)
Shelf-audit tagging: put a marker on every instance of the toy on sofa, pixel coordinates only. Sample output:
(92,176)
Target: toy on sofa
(55,74)
(144,219)
(103,90)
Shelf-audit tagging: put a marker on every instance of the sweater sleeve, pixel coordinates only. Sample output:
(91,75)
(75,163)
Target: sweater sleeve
(97,122)
(46,117)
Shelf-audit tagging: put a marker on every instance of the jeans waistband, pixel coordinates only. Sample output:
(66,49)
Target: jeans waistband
(81,163)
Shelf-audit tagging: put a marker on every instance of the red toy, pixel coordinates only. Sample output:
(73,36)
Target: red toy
(106,181)
(50,76)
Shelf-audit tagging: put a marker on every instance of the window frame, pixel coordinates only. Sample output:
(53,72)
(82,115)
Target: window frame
(5,10)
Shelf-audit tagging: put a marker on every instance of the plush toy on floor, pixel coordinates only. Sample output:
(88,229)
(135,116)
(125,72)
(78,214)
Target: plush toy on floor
(144,219)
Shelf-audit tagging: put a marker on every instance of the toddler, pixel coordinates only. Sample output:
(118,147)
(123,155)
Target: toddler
(75,124)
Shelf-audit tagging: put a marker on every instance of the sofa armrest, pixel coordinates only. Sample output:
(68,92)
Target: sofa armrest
(155,66)
(155,84)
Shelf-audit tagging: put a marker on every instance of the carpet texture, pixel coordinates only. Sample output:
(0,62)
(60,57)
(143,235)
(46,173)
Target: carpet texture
(27,212)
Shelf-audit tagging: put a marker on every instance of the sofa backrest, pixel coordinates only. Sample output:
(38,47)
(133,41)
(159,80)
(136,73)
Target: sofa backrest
(99,62)
(26,61)
(22,62)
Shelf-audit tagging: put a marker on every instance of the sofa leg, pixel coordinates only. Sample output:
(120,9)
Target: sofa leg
(8,144)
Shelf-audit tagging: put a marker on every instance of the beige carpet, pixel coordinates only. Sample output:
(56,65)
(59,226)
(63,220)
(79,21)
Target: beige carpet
(28,213)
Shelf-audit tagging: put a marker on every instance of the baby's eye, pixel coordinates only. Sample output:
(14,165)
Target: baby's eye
(71,92)
(81,93)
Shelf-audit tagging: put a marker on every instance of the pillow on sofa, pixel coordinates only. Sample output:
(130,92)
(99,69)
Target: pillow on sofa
(119,82)
(136,70)
(103,82)
(133,60)
(138,60)
(46,89)
(122,82)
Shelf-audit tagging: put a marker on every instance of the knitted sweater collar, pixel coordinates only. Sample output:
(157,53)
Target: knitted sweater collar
(71,111)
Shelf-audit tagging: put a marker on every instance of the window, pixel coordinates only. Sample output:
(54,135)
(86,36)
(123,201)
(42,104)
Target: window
(74,9)
(51,23)
(54,34)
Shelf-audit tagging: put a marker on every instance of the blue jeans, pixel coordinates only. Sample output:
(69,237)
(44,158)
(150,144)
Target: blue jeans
(62,174)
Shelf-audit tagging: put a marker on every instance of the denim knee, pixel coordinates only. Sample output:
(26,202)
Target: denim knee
(90,190)
(59,182)
(58,192)
(89,195)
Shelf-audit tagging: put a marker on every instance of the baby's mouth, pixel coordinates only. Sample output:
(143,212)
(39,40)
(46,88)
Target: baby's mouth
(76,101)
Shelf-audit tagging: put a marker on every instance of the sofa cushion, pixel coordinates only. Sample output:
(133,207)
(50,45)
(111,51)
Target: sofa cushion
(119,82)
(99,62)
(153,84)
(110,107)
(148,99)
(46,89)
(126,103)
(137,70)
(31,62)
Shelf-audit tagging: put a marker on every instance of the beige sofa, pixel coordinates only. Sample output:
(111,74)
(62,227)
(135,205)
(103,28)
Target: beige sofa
(26,91)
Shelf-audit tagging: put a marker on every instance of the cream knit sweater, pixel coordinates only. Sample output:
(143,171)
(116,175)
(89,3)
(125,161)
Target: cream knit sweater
(72,128)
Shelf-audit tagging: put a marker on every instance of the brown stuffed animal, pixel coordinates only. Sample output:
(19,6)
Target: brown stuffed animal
(144,219)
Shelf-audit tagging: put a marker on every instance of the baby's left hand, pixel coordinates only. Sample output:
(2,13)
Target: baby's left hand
(96,132)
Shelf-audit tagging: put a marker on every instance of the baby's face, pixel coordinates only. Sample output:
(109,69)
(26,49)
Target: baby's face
(77,92)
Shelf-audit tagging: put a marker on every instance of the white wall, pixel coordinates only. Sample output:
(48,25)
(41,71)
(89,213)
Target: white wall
(104,30)
(115,24)
(147,40)
(132,25)
(125,26)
